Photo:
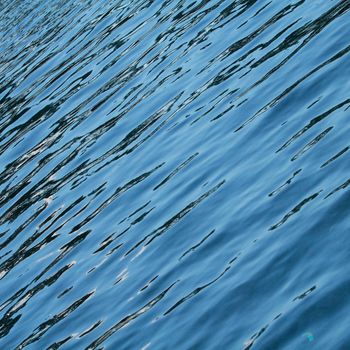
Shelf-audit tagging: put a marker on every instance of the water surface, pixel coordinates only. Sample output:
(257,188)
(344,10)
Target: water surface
(174,174)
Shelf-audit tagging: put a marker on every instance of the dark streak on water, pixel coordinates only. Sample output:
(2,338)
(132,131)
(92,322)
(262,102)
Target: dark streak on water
(174,174)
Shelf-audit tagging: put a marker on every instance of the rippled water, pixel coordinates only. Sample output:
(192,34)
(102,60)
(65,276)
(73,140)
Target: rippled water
(174,174)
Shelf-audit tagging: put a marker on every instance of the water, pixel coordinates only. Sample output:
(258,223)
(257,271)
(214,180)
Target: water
(174,174)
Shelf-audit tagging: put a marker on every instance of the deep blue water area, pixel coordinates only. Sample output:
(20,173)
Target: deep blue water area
(175,174)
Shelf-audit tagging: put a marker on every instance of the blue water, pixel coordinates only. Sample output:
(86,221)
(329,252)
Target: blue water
(174,174)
